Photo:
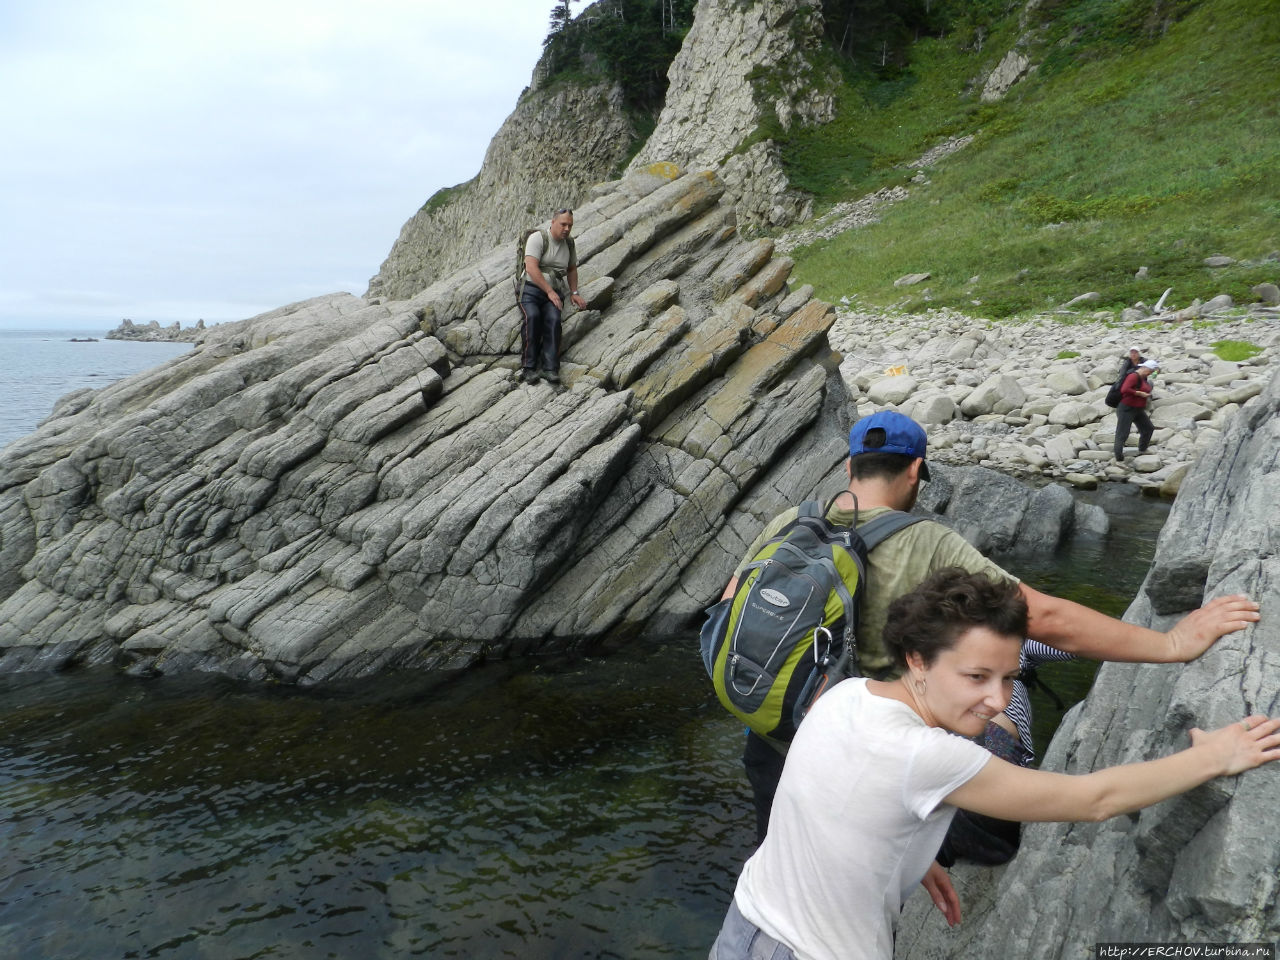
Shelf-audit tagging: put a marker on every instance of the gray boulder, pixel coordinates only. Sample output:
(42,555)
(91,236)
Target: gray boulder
(1048,520)
(892,390)
(999,393)
(987,508)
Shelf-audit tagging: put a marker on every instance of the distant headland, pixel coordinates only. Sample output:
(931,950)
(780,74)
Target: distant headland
(128,330)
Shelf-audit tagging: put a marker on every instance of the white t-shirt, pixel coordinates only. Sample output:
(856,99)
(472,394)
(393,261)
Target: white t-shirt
(556,255)
(856,822)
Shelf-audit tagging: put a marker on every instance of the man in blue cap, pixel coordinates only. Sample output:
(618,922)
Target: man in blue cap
(885,467)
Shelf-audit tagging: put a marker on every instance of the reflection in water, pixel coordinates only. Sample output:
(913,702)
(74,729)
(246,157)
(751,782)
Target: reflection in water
(585,807)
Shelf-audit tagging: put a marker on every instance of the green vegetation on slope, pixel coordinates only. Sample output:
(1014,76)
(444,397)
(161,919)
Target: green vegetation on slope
(1148,136)
(630,41)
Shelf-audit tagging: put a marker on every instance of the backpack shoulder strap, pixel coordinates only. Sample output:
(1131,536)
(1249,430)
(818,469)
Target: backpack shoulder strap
(810,508)
(876,531)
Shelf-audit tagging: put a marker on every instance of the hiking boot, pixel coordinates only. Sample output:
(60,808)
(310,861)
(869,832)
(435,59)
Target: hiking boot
(551,376)
(529,375)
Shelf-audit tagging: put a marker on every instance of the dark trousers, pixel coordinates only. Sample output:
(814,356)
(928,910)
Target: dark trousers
(539,331)
(1126,417)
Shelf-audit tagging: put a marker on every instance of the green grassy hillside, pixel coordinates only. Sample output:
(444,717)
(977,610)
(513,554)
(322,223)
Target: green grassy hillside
(1148,135)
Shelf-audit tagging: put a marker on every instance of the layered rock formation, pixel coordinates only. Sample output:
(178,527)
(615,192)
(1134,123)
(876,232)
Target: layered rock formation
(1203,867)
(340,487)
(557,142)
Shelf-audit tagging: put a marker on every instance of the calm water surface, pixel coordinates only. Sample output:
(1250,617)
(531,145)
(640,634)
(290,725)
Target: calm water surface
(589,808)
(37,368)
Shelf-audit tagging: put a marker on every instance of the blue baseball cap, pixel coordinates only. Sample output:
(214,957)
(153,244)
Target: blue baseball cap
(901,434)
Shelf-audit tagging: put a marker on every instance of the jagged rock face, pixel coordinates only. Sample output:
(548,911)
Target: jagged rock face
(341,487)
(1203,867)
(556,144)
(738,61)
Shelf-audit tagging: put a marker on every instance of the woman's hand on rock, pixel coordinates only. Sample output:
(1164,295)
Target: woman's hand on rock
(1199,630)
(1243,745)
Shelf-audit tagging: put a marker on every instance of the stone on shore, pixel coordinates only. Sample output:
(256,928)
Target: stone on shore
(1043,417)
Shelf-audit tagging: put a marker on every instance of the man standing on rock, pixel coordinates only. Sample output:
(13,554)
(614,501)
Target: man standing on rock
(551,276)
(1135,393)
(885,467)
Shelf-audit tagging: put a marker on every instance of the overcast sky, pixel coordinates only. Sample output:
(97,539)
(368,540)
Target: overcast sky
(187,159)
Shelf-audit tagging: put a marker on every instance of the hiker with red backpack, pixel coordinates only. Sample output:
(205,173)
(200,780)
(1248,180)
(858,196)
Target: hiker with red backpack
(1135,394)
(548,277)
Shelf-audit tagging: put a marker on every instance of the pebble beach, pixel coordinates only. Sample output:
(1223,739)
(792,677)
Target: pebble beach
(1025,397)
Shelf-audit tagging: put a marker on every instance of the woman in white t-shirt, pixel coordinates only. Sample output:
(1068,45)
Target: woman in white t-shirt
(874,776)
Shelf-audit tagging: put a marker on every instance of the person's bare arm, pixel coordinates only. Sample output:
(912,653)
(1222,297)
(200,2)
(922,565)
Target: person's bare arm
(534,273)
(1086,633)
(1011,792)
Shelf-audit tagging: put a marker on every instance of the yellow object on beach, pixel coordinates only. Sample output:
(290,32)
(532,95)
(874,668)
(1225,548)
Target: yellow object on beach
(897,371)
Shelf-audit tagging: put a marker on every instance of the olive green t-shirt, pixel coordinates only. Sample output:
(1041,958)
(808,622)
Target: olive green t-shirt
(895,567)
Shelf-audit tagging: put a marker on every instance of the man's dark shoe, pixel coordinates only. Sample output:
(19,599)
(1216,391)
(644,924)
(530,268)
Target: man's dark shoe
(529,375)
(551,376)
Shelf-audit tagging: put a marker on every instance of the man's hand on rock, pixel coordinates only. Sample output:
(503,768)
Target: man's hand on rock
(1199,630)
(937,884)
(578,302)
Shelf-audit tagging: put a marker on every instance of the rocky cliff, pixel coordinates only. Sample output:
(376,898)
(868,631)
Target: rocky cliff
(740,63)
(1204,867)
(340,487)
(742,66)
(557,142)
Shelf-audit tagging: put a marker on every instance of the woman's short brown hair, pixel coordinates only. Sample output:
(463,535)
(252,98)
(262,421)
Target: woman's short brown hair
(932,617)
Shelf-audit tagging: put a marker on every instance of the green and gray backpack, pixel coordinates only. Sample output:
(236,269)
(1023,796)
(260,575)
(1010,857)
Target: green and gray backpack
(789,631)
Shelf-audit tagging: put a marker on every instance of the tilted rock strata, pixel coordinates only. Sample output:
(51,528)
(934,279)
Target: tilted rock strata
(1200,868)
(340,487)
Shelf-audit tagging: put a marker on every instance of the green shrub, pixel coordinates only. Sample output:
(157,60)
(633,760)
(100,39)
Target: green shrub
(1233,351)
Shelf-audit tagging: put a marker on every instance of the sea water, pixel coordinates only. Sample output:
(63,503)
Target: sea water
(587,806)
(38,367)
